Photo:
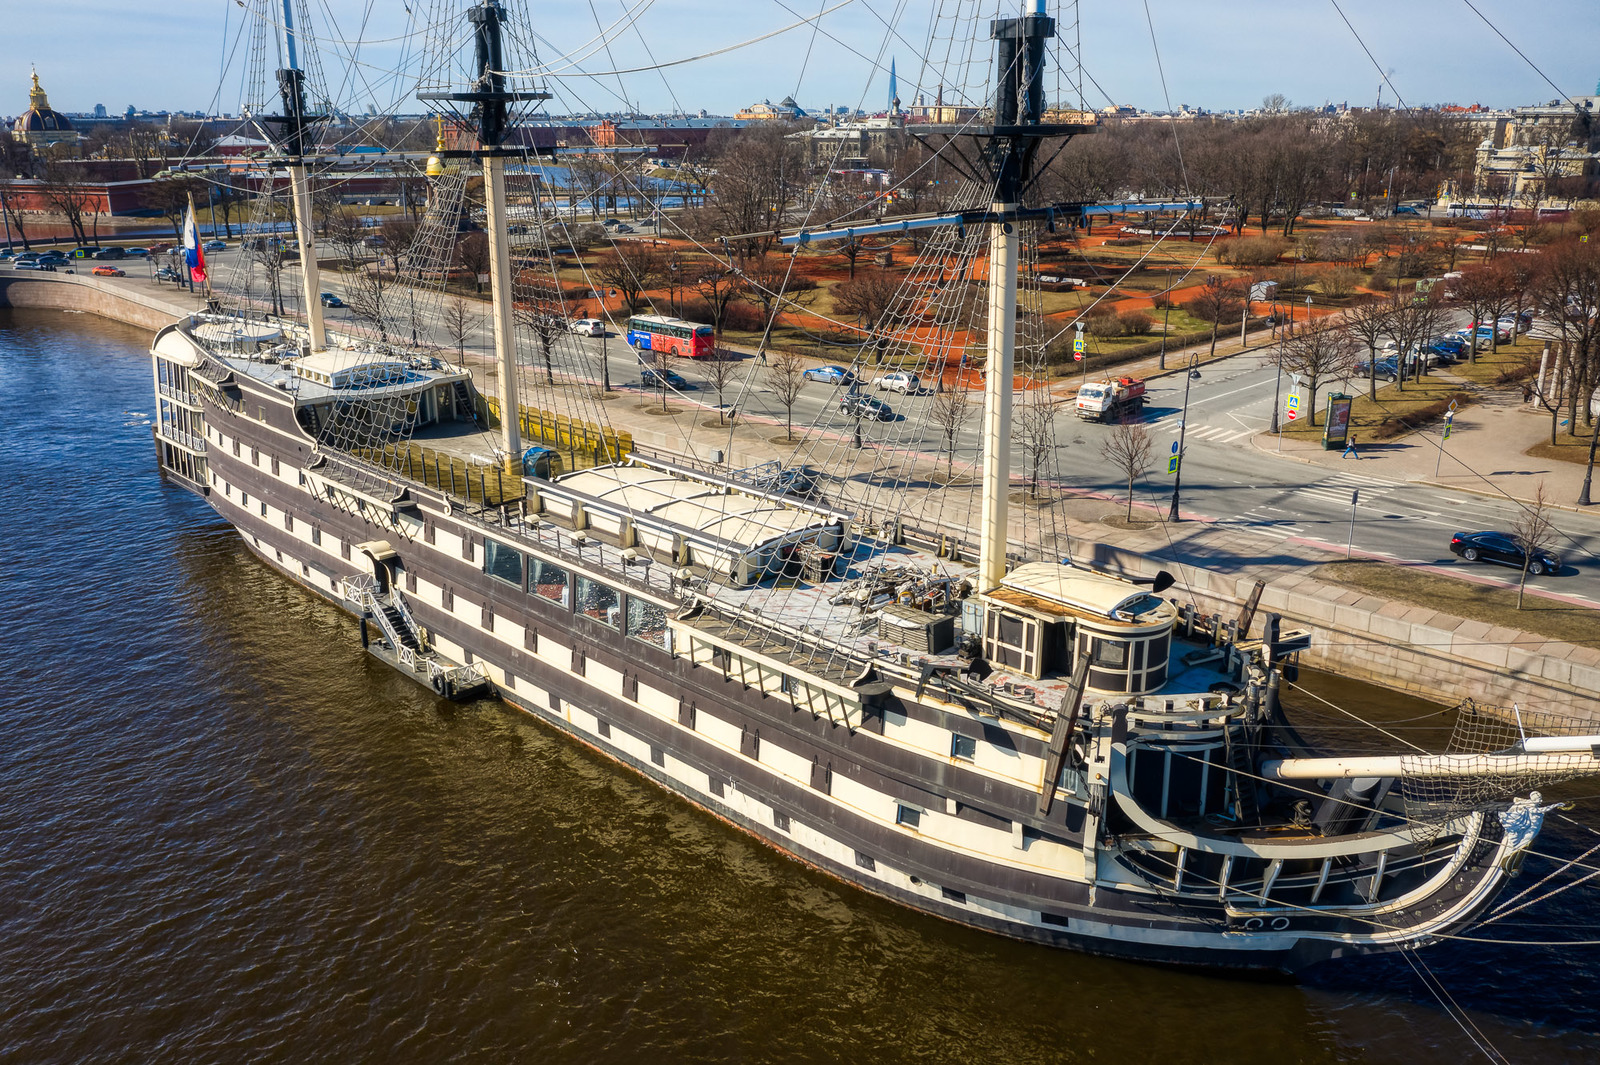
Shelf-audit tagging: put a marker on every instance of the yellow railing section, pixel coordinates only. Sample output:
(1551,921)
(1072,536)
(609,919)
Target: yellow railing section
(583,444)
(475,482)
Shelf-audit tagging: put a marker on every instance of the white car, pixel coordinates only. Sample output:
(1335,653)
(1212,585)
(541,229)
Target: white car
(589,327)
(905,383)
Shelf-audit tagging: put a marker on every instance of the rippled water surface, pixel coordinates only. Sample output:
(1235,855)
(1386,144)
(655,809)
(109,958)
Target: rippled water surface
(227,835)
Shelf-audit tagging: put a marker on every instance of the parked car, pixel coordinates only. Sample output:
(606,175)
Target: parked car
(654,377)
(86,252)
(26,264)
(830,375)
(330,299)
(622,228)
(52,260)
(908,384)
(1502,547)
(108,271)
(29,256)
(6,253)
(1453,347)
(857,405)
(1386,369)
(214,245)
(588,327)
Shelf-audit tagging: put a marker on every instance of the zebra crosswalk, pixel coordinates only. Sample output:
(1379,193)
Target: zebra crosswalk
(1217,434)
(1274,521)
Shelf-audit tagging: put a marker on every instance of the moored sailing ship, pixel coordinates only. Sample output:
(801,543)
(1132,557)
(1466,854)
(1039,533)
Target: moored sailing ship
(1022,744)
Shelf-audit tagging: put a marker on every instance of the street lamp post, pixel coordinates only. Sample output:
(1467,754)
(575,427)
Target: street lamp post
(1277,388)
(1183,429)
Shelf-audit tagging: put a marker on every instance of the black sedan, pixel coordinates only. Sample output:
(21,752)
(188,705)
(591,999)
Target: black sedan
(1503,548)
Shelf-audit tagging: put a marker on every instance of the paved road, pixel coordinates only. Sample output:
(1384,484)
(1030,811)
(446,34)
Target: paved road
(1227,478)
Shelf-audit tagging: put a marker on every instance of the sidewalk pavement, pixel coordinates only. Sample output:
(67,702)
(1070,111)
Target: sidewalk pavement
(1486,452)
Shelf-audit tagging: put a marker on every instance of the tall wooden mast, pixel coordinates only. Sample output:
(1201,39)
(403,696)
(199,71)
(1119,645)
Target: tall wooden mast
(491,104)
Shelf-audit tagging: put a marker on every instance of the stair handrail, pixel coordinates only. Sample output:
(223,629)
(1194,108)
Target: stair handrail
(405,614)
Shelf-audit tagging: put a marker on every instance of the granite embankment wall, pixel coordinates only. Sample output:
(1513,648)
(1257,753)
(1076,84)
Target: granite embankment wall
(1396,645)
(109,297)
(1393,645)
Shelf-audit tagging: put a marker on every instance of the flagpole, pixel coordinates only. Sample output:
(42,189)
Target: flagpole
(193,233)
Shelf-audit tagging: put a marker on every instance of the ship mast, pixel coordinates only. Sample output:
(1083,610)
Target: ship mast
(296,124)
(491,100)
(1009,152)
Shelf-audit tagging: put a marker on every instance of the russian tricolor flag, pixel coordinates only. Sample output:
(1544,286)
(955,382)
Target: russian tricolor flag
(193,252)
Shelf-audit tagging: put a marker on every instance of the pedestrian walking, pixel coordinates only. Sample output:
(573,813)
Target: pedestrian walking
(1350,449)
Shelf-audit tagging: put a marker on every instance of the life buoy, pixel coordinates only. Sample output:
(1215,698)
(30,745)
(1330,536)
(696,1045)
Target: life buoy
(438,683)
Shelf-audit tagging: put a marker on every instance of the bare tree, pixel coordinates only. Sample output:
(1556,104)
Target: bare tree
(171,196)
(631,269)
(472,252)
(1217,301)
(368,297)
(268,255)
(1413,323)
(1318,352)
(63,190)
(720,368)
(1127,449)
(867,299)
(718,287)
(537,307)
(1034,431)
(1534,534)
(344,234)
(949,412)
(785,372)
(456,318)
(1370,323)
(399,233)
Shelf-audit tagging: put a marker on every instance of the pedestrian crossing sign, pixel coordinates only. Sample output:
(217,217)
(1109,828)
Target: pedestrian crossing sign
(1449,423)
(1077,348)
(1172,464)
(1291,406)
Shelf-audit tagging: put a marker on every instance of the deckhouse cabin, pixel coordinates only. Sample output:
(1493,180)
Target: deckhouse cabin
(1043,615)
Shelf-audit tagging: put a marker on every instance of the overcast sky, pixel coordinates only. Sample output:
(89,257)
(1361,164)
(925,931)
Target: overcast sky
(173,54)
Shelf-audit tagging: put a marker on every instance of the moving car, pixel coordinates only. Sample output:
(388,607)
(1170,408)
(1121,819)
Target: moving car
(88,251)
(110,253)
(1502,547)
(588,327)
(26,264)
(905,383)
(330,299)
(830,375)
(29,256)
(137,253)
(214,245)
(166,273)
(856,405)
(108,271)
(653,377)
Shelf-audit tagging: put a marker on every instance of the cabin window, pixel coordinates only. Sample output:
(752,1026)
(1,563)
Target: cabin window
(1112,653)
(598,601)
(548,581)
(647,621)
(502,562)
(964,748)
(908,816)
(1011,641)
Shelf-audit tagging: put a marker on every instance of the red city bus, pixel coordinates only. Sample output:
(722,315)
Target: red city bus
(658,332)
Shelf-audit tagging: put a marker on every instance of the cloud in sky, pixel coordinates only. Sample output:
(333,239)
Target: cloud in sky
(175,54)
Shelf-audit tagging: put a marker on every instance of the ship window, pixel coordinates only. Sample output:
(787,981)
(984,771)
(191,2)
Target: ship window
(548,581)
(952,895)
(780,821)
(598,601)
(316,536)
(647,621)
(866,862)
(502,562)
(1113,653)
(909,816)
(963,747)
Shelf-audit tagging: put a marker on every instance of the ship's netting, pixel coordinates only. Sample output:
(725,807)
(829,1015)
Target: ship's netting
(1490,767)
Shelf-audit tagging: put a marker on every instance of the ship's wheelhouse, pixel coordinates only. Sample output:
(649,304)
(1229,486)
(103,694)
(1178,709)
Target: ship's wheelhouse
(1044,615)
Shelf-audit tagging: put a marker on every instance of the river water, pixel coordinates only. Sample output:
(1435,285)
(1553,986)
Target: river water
(227,835)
